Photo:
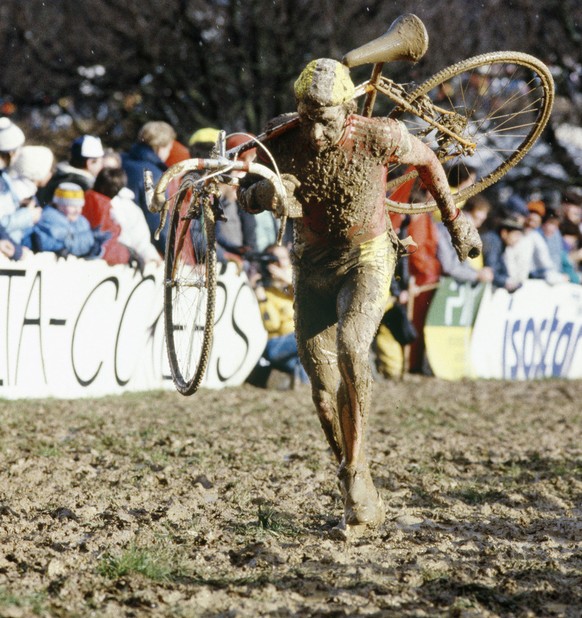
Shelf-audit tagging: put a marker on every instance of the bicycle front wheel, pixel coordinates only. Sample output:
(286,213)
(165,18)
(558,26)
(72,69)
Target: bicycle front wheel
(498,104)
(190,288)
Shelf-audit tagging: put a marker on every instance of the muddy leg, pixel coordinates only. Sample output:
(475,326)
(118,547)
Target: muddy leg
(360,306)
(362,503)
(319,359)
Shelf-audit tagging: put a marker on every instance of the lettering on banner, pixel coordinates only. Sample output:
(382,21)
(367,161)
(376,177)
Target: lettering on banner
(539,348)
(223,377)
(127,321)
(463,301)
(8,303)
(78,332)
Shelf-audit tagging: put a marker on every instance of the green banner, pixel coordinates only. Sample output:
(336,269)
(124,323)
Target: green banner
(449,326)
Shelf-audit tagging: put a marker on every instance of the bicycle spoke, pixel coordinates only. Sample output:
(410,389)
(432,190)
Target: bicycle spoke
(497,104)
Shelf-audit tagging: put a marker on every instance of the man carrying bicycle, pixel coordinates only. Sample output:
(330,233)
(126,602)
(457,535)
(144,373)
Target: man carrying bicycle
(334,165)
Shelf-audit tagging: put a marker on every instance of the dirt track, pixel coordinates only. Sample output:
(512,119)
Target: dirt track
(221,504)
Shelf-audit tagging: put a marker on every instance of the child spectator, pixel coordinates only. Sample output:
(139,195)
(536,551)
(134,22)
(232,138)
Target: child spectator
(62,229)
(134,230)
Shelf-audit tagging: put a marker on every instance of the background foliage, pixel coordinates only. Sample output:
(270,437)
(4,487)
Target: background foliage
(106,66)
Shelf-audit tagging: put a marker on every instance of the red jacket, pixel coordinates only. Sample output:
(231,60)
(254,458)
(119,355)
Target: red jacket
(97,210)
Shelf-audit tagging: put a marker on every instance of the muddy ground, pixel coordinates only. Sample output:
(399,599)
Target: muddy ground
(221,504)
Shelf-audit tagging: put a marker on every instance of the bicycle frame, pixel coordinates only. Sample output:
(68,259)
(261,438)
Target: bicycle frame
(425,110)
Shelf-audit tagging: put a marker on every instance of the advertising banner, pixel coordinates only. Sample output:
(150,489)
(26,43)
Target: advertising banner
(535,332)
(75,328)
(449,327)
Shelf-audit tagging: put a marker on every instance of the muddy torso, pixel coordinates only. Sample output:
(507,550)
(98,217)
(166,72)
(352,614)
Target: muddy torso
(342,187)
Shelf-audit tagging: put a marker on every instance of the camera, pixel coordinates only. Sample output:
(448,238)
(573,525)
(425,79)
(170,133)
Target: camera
(260,262)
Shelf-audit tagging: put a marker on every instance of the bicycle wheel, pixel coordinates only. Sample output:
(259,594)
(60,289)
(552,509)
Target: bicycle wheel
(499,103)
(190,288)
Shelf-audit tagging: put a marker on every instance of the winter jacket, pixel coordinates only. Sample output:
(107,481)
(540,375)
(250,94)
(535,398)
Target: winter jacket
(135,162)
(54,232)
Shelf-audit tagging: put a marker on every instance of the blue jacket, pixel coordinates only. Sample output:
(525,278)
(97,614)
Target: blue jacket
(139,158)
(54,232)
(4,235)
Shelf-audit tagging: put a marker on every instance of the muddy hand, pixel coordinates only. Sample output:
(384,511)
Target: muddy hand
(292,204)
(466,239)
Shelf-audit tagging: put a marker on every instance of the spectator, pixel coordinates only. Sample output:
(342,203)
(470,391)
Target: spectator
(85,162)
(202,142)
(388,343)
(32,169)
(550,230)
(17,221)
(572,238)
(97,211)
(62,229)
(178,153)
(470,271)
(275,295)
(532,251)
(571,206)
(111,158)
(8,248)
(425,271)
(571,225)
(235,232)
(150,152)
(134,231)
(495,242)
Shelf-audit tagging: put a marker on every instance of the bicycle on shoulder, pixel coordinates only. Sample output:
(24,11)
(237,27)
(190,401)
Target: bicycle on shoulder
(484,113)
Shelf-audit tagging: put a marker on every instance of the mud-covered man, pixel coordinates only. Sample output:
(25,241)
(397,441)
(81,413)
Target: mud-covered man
(334,165)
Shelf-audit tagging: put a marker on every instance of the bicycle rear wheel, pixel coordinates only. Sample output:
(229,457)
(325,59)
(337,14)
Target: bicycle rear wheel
(190,287)
(498,102)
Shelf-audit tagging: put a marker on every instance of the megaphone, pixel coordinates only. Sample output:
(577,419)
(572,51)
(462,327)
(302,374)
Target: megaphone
(406,39)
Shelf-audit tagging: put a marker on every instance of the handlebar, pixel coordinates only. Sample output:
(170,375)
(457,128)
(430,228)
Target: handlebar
(156,196)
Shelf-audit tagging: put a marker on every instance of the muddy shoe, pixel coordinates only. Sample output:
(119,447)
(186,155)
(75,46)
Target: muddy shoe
(363,507)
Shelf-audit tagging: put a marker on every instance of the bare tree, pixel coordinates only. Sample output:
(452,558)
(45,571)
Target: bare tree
(111,64)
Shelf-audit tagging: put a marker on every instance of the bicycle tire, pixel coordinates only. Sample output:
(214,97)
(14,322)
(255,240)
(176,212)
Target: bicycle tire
(189,288)
(502,99)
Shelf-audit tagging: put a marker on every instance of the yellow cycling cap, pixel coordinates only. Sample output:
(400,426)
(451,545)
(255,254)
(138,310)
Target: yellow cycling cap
(324,82)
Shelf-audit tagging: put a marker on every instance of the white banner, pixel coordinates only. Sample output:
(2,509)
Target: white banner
(76,328)
(536,332)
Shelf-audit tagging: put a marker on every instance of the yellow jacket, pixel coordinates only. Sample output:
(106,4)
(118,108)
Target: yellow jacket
(277,312)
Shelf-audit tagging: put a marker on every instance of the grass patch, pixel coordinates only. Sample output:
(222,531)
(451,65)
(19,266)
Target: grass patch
(277,523)
(473,495)
(151,562)
(33,603)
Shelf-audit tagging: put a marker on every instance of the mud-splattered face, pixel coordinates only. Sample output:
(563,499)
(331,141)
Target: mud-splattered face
(323,125)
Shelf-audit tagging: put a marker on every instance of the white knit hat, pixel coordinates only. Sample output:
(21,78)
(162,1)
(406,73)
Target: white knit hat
(34,163)
(11,136)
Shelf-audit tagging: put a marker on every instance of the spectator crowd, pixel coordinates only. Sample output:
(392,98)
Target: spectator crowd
(93,206)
